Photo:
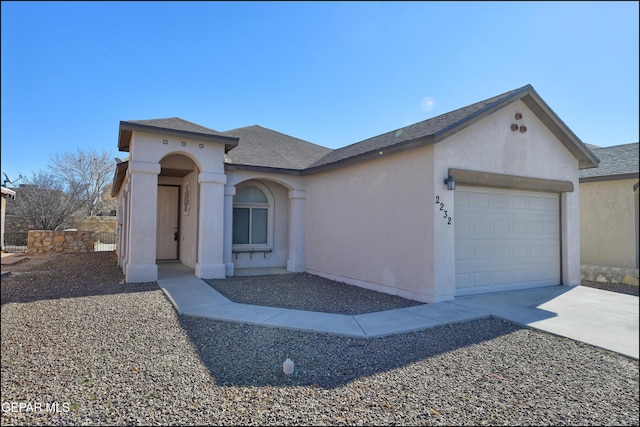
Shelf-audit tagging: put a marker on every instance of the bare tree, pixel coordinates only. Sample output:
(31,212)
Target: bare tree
(42,199)
(85,172)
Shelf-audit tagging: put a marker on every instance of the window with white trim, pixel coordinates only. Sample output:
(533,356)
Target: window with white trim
(251,216)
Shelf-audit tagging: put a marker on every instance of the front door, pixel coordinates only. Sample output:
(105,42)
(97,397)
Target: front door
(167,230)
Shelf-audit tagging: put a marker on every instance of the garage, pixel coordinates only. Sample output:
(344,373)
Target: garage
(505,240)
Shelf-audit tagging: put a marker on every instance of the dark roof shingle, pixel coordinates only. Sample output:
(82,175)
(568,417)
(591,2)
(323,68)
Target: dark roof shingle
(264,147)
(616,160)
(175,123)
(430,127)
(171,126)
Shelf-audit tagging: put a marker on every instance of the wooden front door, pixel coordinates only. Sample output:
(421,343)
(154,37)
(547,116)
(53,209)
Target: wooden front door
(167,229)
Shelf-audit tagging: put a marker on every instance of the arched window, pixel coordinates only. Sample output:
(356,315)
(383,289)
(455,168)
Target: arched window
(251,213)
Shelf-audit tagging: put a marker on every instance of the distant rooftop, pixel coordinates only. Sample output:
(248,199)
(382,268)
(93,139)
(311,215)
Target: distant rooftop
(615,160)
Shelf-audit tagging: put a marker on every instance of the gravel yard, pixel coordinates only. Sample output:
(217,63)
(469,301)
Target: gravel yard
(303,291)
(111,354)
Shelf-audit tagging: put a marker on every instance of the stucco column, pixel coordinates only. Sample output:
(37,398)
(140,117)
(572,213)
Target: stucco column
(296,261)
(127,224)
(570,217)
(122,219)
(229,192)
(443,248)
(210,263)
(143,199)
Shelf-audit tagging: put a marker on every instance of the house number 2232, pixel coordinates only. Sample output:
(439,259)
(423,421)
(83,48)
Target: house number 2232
(445,214)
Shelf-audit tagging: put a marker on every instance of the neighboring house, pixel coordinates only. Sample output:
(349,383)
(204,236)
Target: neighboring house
(609,208)
(481,199)
(10,194)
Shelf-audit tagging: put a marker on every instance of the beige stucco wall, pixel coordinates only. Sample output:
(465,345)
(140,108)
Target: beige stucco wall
(609,223)
(376,224)
(371,224)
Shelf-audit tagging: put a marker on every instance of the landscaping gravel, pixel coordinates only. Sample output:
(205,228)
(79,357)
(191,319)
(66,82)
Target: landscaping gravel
(303,291)
(621,288)
(112,354)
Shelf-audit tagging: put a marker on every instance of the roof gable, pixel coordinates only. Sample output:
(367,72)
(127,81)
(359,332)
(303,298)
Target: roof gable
(439,128)
(171,126)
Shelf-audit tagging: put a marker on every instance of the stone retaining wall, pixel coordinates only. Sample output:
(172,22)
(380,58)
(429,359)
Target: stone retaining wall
(606,274)
(99,224)
(46,242)
(16,224)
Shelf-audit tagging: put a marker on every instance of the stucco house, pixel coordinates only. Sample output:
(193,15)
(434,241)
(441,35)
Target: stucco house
(480,199)
(609,208)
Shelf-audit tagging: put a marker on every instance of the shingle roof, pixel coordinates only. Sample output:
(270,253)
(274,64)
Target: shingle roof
(264,147)
(616,160)
(427,128)
(258,147)
(176,123)
(438,128)
(170,125)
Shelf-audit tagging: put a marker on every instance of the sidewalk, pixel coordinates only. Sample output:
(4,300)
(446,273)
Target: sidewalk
(601,318)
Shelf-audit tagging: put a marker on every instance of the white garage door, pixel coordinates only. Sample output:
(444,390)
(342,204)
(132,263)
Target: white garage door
(505,240)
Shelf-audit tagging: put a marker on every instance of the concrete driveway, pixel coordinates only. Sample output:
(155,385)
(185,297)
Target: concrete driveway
(605,319)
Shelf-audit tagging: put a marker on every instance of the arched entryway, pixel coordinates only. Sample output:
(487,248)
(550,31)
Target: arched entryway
(177,210)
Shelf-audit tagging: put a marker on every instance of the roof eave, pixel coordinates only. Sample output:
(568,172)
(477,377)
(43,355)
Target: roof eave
(127,129)
(118,177)
(586,158)
(617,177)
(479,115)
(265,169)
(373,154)
(8,192)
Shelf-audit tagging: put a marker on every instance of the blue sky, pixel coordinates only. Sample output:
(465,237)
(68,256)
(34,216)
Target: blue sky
(332,73)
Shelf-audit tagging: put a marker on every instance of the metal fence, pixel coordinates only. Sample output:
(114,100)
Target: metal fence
(17,242)
(104,242)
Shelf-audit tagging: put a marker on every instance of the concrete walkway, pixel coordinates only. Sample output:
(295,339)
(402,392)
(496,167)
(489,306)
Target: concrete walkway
(604,319)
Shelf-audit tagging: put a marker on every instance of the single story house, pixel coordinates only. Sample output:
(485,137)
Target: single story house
(480,199)
(609,208)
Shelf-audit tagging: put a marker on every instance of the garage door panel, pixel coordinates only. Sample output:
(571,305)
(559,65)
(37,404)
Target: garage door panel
(505,239)
(481,200)
(501,227)
(502,277)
